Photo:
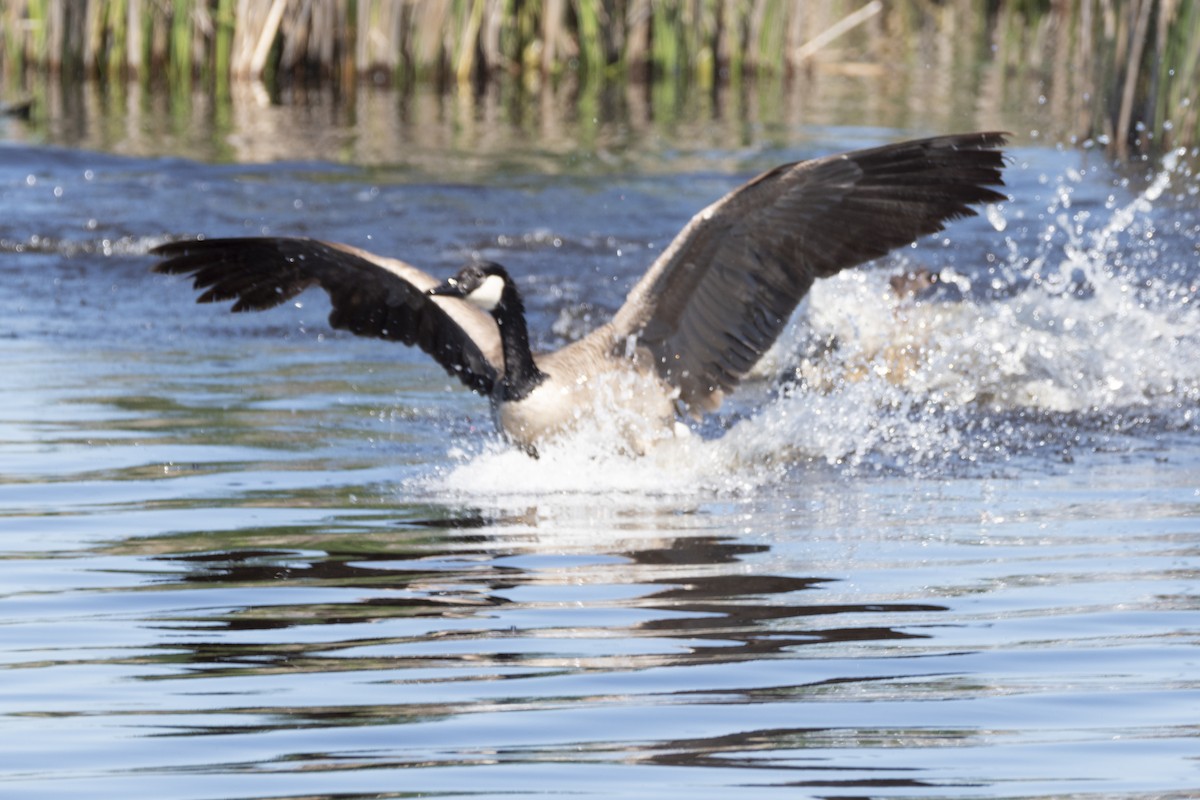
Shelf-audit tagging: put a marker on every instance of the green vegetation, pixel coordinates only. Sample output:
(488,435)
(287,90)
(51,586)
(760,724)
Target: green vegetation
(1125,72)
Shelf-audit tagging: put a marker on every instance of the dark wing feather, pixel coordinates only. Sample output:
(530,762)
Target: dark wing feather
(719,296)
(371,296)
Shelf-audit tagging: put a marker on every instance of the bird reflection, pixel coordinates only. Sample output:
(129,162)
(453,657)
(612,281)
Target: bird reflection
(470,591)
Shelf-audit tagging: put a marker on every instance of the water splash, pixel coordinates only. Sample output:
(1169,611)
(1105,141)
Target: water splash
(591,464)
(1081,326)
(1083,321)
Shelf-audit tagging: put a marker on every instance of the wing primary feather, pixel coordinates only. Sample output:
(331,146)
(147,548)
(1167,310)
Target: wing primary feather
(719,295)
(370,295)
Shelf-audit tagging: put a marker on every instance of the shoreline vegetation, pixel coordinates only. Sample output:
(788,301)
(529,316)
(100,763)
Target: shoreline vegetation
(1122,73)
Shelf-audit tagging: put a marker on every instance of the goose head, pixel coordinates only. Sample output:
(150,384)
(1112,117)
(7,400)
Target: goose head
(484,284)
(487,286)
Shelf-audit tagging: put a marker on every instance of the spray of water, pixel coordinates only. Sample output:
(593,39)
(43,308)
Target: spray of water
(1079,323)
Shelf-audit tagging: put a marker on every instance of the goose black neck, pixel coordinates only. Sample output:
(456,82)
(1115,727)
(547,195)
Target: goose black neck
(521,375)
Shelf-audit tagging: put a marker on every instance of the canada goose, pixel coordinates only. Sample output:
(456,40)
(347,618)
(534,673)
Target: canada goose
(707,309)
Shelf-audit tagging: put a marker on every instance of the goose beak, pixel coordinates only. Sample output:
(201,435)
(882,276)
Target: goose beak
(449,288)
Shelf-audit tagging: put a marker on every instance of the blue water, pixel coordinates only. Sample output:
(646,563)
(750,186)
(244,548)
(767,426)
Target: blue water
(941,548)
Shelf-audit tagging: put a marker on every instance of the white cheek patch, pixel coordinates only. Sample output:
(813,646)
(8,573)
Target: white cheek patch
(487,294)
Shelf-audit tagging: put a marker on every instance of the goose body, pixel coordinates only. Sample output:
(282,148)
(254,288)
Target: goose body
(543,396)
(703,314)
(588,378)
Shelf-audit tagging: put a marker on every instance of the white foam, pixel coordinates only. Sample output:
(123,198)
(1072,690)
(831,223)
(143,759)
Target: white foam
(1068,325)
(588,466)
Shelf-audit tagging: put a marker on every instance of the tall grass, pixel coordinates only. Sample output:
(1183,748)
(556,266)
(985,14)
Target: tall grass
(1126,72)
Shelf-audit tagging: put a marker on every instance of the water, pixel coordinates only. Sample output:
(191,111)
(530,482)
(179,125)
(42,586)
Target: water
(940,547)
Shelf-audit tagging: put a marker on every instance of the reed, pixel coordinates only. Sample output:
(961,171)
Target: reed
(1126,71)
(1129,67)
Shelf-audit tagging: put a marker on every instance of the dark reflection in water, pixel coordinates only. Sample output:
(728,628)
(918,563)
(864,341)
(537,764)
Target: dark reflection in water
(499,128)
(717,618)
(450,589)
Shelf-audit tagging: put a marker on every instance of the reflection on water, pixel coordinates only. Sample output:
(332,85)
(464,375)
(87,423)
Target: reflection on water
(468,133)
(863,636)
(940,546)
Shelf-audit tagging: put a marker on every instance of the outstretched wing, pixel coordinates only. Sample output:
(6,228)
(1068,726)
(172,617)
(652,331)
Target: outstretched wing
(371,295)
(721,293)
